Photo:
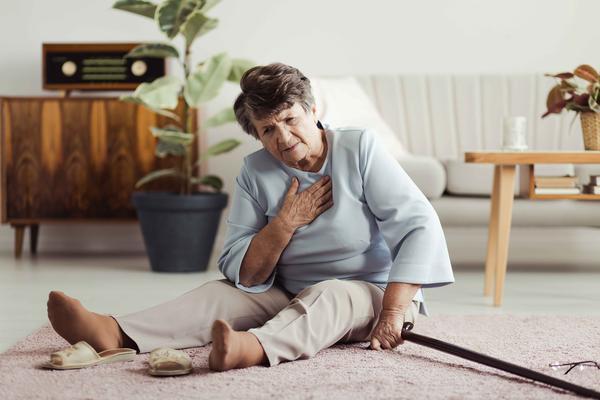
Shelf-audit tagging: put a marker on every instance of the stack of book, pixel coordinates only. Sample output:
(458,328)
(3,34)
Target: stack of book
(594,186)
(556,185)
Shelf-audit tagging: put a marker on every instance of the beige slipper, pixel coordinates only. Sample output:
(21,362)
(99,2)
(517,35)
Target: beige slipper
(169,362)
(82,355)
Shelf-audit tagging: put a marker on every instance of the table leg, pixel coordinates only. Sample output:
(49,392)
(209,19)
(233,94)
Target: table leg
(505,188)
(490,260)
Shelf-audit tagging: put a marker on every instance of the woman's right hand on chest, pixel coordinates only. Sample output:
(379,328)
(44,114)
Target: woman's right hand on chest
(301,209)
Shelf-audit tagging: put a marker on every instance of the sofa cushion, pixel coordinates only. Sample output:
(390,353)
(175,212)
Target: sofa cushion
(341,102)
(471,179)
(475,211)
(427,173)
(553,170)
(477,179)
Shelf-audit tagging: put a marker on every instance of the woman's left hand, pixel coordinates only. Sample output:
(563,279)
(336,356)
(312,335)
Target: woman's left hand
(388,331)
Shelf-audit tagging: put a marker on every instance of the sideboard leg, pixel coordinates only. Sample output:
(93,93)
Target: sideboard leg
(19,234)
(33,237)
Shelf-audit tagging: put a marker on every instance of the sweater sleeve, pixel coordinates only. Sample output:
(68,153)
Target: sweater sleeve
(246,218)
(406,219)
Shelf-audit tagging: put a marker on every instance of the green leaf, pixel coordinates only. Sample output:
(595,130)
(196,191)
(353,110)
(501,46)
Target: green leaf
(172,127)
(156,50)
(224,146)
(171,135)
(204,84)
(209,180)
(594,98)
(208,4)
(238,67)
(161,173)
(140,7)
(171,14)
(161,93)
(135,100)
(164,149)
(222,117)
(196,25)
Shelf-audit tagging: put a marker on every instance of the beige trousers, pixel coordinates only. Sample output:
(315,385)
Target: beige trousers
(288,327)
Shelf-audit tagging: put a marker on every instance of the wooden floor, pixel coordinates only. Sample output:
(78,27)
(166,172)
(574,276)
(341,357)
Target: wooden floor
(121,283)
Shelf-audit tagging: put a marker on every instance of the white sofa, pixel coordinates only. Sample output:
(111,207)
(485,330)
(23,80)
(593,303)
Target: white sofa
(429,122)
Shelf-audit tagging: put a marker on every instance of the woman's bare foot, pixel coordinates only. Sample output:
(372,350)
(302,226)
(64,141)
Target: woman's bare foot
(231,349)
(75,323)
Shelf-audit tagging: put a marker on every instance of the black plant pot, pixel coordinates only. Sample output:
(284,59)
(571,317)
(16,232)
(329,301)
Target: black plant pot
(179,231)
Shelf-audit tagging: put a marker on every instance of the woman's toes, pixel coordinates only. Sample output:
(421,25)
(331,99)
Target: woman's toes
(55,296)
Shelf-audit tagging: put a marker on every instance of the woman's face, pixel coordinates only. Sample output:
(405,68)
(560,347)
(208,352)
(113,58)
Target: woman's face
(292,136)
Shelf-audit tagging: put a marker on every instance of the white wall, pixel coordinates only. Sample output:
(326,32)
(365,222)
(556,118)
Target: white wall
(331,37)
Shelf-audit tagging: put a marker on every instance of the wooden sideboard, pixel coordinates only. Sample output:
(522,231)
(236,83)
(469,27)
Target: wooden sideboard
(72,160)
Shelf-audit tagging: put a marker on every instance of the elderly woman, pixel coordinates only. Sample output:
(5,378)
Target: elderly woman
(328,241)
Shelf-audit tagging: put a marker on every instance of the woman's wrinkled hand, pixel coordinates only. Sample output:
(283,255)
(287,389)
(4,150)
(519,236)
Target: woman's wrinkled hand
(388,331)
(302,208)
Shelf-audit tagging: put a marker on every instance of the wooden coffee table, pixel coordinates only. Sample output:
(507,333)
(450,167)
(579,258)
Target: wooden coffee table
(502,200)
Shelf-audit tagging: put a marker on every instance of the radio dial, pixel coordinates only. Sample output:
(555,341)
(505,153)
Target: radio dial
(69,68)
(139,68)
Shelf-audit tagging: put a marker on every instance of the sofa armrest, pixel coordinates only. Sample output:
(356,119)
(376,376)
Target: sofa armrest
(426,172)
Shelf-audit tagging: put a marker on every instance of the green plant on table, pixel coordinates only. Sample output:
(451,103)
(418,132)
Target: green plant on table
(201,84)
(577,91)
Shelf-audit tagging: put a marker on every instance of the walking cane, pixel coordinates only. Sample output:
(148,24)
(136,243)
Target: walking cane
(494,362)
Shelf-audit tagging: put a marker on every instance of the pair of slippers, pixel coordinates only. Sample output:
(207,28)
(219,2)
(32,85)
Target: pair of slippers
(162,361)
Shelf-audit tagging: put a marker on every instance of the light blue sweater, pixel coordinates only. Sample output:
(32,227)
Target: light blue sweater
(380,229)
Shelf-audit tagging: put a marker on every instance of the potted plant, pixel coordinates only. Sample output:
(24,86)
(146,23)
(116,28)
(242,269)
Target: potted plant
(179,228)
(579,91)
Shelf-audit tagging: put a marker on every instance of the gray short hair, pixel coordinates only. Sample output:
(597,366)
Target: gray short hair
(269,89)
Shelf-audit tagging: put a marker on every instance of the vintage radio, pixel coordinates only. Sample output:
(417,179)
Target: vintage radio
(96,66)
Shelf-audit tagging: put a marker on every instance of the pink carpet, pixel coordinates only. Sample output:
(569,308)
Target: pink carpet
(342,372)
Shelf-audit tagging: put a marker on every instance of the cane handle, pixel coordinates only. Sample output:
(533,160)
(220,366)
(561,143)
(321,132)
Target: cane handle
(407,326)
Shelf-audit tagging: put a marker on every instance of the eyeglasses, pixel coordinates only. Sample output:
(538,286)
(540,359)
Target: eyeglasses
(580,364)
